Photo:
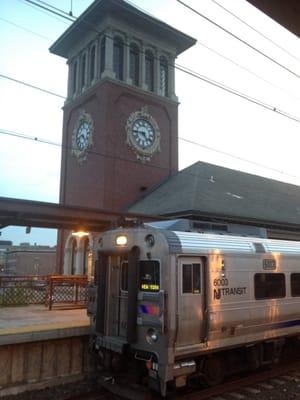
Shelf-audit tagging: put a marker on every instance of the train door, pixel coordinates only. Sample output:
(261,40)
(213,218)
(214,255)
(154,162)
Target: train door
(191,301)
(112,295)
(123,299)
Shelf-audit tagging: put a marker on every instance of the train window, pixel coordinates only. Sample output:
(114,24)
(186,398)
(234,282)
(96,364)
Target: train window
(124,276)
(295,285)
(191,278)
(149,276)
(269,286)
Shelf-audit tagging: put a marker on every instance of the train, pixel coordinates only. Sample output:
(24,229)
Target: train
(169,307)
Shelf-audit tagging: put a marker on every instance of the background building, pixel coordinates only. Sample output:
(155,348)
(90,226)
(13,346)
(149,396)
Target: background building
(4,244)
(30,260)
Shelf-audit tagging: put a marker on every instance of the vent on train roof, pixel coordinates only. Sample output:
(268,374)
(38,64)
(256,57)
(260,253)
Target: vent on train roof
(188,225)
(210,227)
(259,248)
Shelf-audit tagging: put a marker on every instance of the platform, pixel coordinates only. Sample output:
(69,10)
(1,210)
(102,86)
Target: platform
(35,323)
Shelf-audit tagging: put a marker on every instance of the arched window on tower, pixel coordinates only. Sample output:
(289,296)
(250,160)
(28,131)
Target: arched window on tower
(83,70)
(86,251)
(163,72)
(118,58)
(74,77)
(73,256)
(134,64)
(102,55)
(92,63)
(149,72)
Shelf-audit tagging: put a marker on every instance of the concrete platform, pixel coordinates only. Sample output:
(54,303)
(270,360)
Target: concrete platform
(36,323)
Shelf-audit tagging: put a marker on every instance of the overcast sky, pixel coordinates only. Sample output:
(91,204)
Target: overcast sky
(261,141)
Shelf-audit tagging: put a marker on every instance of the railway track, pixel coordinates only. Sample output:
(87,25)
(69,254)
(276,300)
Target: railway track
(279,383)
(255,386)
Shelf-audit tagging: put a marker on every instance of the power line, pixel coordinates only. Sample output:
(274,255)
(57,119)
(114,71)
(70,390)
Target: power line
(32,86)
(237,93)
(48,142)
(25,29)
(194,74)
(238,38)
(52,11)
(234,62)
(44,12)
(247,70)
(69,14)
(237,157)
(255,30)
(198,43)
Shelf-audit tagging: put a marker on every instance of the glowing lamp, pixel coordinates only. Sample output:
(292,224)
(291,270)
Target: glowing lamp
(121,240)
(80,234)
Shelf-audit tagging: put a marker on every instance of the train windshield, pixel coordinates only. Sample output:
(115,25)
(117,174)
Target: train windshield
(149,276)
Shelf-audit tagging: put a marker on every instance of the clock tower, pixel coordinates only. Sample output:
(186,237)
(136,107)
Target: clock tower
(120,116)
(120,133)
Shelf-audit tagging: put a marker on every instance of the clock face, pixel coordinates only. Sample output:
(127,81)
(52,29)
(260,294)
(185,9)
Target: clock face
(82,138)
(143,133)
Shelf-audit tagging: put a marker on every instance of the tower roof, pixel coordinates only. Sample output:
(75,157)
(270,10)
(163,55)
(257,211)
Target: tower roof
(122,10)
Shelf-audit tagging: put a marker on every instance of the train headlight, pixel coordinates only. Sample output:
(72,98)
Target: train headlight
(121,240)
(152,335)
(149,239)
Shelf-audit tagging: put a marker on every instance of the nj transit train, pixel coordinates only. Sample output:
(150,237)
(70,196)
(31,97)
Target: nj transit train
(170,306)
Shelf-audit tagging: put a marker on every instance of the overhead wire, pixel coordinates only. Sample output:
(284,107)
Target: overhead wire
(114,157)
(238,38)
(238,93)
(31,86)
(69,14)
(25,29)
(193,73)
(257,164)
(234,62)
(292,95)
(198,43)
(53,11)
(44,12)
(255,30)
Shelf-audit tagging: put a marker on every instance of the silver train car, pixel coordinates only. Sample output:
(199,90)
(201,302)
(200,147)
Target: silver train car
(169,307)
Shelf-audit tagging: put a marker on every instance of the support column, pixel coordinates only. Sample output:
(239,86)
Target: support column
(75,91)
(67,261)
(109,52)
(97,60)
(171,79)
(70,72)
(143,68)
(157,74)
(79,260)
(127,62)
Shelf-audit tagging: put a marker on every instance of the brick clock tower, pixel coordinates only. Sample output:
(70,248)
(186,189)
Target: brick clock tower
(120,127)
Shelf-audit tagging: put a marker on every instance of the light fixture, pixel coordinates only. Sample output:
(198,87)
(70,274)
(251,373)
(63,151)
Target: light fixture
(80,234)
(149,239)
(152,335)
(121,240)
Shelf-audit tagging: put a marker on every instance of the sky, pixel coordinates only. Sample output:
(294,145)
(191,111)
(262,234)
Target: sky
(214,126)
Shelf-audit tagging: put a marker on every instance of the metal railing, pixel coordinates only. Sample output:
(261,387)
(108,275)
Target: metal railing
(63,291)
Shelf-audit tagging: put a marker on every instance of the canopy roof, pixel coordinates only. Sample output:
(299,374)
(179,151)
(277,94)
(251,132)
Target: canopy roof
(210,191)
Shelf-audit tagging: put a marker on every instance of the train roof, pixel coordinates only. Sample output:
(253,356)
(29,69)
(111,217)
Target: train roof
(195,243)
